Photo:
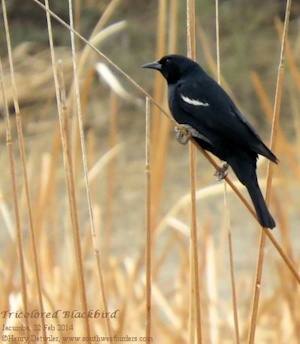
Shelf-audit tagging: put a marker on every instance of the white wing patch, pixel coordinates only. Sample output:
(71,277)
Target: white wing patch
(194,102)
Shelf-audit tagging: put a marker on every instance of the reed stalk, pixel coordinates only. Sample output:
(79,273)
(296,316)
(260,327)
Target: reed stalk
(18,229)
(149,227)
(275,124)
(24,172)
(68,166)
(195,298)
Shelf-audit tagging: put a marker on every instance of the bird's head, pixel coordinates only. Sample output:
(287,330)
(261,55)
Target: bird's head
(173,67)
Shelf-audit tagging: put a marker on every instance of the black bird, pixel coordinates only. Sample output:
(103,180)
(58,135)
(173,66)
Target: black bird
(201,106)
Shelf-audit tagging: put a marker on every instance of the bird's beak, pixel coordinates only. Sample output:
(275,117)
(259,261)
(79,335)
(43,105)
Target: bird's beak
(152,65)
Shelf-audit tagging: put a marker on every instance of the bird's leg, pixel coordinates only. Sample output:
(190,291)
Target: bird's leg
(222,171)
(184,133)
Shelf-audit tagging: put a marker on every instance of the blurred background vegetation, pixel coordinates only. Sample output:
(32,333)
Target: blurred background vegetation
(249,41)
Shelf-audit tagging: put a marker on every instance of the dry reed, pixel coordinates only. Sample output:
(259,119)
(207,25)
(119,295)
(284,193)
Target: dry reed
(275,123)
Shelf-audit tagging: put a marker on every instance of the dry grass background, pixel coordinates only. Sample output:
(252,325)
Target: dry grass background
(91,222)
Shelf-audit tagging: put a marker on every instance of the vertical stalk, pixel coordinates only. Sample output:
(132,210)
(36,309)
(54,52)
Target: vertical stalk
(195,308)
(218,42)
(159,137)
(19,236)
(76,72)
(68,167)
(24,170)
(275,123)
(233,290)
(227,212)
(111,173)
(148,224)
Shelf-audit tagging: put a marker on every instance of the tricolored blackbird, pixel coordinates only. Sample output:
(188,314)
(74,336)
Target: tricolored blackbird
(201,106)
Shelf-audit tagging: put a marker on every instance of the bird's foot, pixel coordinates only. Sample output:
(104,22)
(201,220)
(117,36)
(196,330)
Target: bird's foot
(184,133)
(222,171)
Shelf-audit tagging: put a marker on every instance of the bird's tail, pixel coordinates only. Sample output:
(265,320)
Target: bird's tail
(245,169)
(263,214)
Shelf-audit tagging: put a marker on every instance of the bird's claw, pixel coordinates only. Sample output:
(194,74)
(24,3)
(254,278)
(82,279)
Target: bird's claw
(184,133)
(222,171)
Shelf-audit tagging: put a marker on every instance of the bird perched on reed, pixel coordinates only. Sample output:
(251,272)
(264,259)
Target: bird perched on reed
(201,106)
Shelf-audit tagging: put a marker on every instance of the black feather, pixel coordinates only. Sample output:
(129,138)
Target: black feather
(197,100)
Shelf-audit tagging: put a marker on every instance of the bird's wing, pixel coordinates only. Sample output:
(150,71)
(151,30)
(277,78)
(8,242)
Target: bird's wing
(208,108)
